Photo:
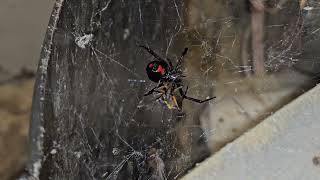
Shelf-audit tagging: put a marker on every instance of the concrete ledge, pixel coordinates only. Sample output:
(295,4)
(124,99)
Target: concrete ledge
(283,147)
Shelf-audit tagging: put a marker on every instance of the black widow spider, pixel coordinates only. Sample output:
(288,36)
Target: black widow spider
(169,79)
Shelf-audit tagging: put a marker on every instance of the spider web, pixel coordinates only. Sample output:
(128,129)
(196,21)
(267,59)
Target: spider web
(102,127)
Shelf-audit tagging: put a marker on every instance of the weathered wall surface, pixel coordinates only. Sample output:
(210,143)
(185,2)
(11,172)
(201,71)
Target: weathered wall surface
(286,146)
(22,28)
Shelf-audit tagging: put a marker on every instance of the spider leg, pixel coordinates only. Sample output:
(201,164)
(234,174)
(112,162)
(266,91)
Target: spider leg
(150,92)
(150,51)
(160,96)
(153,89)
(161,93)
(182,56)
(184,52)
(174,100)
(154,54)
(170,63)
(172,89)
(164,101)
(184,96)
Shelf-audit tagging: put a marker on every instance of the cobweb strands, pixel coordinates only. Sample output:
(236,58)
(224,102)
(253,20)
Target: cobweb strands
(90,119)
(95,117)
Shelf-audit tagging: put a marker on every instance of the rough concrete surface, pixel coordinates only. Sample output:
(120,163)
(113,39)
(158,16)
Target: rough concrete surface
(22,28)
(241,105)
(286,146)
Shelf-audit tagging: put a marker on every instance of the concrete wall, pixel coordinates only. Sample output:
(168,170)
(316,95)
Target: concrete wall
(22,27)
(286,146)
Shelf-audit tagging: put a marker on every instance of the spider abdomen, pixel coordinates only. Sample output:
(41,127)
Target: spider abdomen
(157,70)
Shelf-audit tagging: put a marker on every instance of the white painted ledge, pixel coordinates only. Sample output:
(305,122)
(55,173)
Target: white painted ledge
(282,147)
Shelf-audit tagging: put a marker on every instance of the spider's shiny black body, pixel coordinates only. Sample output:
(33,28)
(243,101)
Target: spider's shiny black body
(168,77)
(152,70)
